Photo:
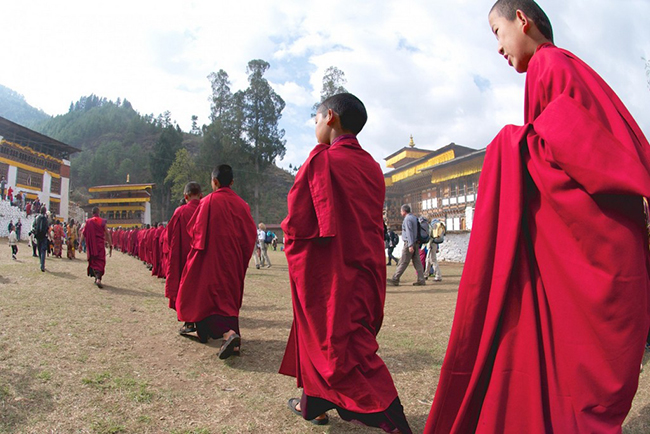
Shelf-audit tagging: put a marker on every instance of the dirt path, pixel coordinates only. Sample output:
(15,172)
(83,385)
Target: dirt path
(77,359)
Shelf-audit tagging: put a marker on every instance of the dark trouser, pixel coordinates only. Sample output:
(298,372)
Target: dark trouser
(14,250)
(42,250)
(215,326)
(388,420)
(35,248)
(391,258)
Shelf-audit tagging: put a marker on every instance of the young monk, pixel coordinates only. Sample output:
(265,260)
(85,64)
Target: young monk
(553,303)
(180,239)
(334,247)
(96,235)
(212,284)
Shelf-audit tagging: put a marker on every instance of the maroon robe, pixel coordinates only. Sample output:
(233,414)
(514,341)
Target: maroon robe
(223,237)
(179,241)
(95,236)
(335,252)
(553,304)
(155,250)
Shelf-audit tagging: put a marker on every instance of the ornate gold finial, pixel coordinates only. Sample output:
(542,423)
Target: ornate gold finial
(412,143)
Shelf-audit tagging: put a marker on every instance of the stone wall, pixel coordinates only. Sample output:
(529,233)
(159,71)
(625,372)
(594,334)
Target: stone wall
(454,249)
(8,213)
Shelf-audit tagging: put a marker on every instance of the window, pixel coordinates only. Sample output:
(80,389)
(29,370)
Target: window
(29,178)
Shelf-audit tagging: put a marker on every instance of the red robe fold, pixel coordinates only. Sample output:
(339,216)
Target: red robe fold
(223,238)
(554,302)
(95,235)
(155,250)
(179,241)
(164,254)
(335,252)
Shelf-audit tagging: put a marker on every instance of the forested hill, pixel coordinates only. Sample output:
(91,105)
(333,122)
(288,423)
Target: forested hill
(118,141)
(14,107)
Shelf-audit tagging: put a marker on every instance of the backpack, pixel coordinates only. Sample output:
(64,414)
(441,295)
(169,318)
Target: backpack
(268,239)
(394,239)
(438,232)
(40,227)
(423,230)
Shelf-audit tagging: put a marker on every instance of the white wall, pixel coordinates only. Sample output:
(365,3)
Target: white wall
(8,213)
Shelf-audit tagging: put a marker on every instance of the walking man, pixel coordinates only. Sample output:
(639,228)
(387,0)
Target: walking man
(411,249)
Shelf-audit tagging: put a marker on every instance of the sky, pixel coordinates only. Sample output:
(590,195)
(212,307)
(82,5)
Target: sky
(426,68)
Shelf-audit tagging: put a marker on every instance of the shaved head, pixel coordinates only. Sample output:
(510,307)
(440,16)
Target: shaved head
(192,189)
(508,9)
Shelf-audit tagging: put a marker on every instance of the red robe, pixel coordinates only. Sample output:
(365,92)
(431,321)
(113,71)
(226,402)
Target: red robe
(553,304)
(164,254)
(223,238)
(179,241)
(95,235)
(155,250)
(335,252)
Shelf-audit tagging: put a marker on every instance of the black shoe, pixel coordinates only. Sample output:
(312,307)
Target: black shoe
(228,347)
(187,328)
(293,403)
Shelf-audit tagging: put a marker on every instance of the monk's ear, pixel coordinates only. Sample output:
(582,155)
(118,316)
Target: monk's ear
(231,183)
(331,116)
(523,20)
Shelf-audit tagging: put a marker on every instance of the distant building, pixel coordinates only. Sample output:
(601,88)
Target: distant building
(125,205)
(438,184)
(36,165)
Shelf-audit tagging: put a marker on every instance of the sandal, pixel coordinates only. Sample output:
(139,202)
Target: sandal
(293,403)
(228,347)
(187,328)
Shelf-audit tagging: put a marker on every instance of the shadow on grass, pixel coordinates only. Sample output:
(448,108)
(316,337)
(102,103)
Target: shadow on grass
(4,280)
(128,292)
(340,426)
(257,323)
(259,356)
(400,361)
(61,274)
(21,399)
(639,424)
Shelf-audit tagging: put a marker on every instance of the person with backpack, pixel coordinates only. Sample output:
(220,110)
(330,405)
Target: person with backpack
(411,250)
(437,233)
(41,232)
(392,240)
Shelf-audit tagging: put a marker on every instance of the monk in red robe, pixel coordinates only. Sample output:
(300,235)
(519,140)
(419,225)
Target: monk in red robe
(212,284)
(335,252)
(179,241)
(96,235)
(553,304)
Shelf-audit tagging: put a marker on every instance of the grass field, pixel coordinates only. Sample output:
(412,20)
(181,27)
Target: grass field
(77,359)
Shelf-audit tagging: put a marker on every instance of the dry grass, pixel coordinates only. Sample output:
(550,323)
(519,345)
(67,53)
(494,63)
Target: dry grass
(76,359)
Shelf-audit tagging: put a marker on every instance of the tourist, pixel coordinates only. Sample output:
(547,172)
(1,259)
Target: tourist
(410,250)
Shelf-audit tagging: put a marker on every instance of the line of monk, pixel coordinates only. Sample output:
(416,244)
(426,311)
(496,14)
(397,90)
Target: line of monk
(535,347)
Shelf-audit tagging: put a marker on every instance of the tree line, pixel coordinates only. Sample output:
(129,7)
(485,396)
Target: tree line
(117,142)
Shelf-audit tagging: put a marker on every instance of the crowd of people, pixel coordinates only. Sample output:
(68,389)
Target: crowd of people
(544,339)
(19,199)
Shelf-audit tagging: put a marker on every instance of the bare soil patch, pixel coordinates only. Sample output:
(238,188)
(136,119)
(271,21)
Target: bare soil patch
(77,359)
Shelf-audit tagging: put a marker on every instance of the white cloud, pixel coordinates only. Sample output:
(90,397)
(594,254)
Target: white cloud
(414,63)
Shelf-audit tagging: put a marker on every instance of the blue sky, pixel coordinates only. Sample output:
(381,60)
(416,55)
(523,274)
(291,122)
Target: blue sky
(423,67)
